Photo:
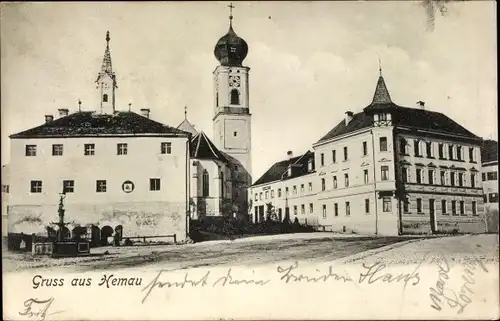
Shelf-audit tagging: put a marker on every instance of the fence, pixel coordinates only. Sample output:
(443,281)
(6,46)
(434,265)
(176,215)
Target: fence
(144,238)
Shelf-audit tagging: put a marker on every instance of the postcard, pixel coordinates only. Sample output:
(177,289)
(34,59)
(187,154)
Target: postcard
(249,160)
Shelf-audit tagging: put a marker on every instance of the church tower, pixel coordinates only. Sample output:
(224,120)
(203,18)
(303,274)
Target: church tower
(232,127)
(106,83)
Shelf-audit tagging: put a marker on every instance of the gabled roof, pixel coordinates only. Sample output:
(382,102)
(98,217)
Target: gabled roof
(202,148)
(187,127)
(88,123)
(489,152)
(401,116)
(275,172)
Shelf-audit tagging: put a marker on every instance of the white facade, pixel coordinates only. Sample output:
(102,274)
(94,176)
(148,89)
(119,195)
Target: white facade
(489,176)
(127,198)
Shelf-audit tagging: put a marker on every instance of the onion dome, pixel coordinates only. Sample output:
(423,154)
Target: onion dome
(231,50)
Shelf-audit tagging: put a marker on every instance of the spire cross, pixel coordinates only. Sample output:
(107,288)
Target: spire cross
(230,6)
(107,38)
(185,112)
(380,67)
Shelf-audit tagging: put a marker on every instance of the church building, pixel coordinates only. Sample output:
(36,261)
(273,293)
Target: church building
(119,171)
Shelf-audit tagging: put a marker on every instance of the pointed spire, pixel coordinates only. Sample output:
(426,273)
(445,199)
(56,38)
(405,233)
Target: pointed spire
(230,6)
(106,61)
(381,95)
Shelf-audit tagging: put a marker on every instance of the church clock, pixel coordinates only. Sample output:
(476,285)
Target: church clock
(234,81)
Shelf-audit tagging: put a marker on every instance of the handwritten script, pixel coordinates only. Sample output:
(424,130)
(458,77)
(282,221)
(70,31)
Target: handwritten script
(442,294)
(37,309)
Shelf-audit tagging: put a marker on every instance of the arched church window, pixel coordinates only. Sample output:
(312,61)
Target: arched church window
(105,98)
(205,184)
(235,97)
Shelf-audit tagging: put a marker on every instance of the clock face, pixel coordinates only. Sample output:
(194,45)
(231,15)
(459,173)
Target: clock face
(234,81)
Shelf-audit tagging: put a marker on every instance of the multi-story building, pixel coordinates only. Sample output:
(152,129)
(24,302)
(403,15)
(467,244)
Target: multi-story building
(392,170)
(121,172)
(287,190)
(5,198)
(489,174)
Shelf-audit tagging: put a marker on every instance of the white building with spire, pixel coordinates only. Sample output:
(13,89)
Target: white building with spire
(121,172)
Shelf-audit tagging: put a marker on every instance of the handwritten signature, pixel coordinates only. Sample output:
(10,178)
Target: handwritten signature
(287,275)
(441,294)
(35,308)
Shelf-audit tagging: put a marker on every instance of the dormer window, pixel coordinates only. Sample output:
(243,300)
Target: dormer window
(289,172)
(310,165)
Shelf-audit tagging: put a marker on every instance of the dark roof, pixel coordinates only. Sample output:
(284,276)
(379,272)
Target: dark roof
(92,124)
(299,168)
(489,152)
(416,118)
(202,148)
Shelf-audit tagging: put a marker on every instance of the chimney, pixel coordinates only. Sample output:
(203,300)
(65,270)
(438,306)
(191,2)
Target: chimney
(145,112)
(421,104)
(289,154)
(348,117)
(63,112)
(49,118)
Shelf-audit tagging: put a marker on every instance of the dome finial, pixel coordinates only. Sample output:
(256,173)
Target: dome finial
(230,6)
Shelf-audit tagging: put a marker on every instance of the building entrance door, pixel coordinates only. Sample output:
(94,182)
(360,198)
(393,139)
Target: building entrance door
(432,213)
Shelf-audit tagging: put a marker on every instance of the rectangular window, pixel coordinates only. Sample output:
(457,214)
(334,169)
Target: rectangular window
(404,173)
(100,186)
(334,181)
(367,206)
(272,193)
(311,208)
(383,144)
(450,152)
(302,188)
(295,210)
(428,149)
(472,156)
(431,176)
(310,187)
(386,204)
(260,195)
(286,191)
(419,176)
(459,153)
(462,208)
(365,149)
(493,197)
(443,177)
(385,173)
(154,184)
(302,209)
(334,156)
(121,149)
(324,211)
(166,148)
(266,195)
(441,151)
(406,206)
(256,196)
(89,149)
(492,176)
(336,209)
(452,179)
(36,187)
(460,179)
(454,207)
(419,205)
(68,186)
(345,153)
(294,189)
(365,175)
(57,150)
(279,192)
(416,147)
(474,208)
(346,180)
(322,159)
(403,146)
(30,150)
(443,207)
(472,180)
(323,187)
(347,208)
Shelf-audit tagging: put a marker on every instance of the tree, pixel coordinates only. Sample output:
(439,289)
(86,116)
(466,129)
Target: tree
(432,7)
(271,213)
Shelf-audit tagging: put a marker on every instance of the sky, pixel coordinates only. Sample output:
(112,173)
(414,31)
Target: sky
(310,63)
